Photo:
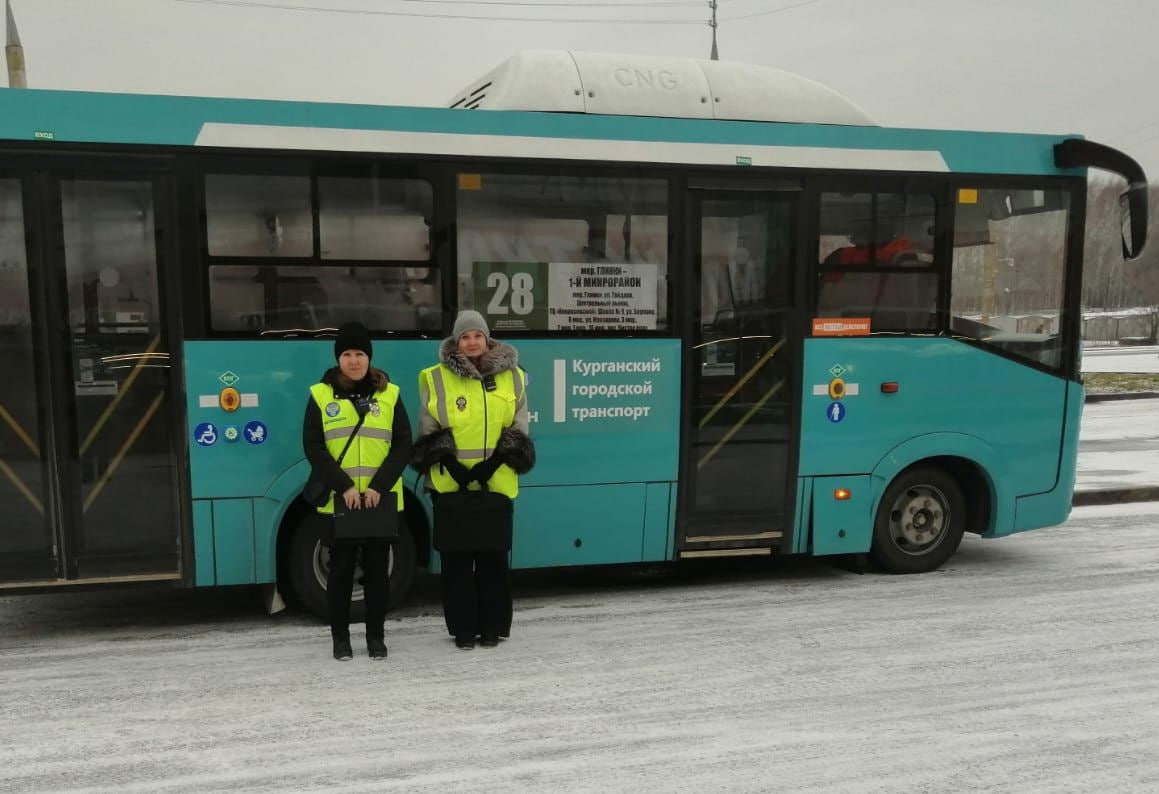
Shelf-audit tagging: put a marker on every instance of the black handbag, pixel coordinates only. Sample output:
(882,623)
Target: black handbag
(367,522)
(473,521)
(316,492)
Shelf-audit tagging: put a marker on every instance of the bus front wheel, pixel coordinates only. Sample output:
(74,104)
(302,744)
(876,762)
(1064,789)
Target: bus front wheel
(308,567)
(920,521)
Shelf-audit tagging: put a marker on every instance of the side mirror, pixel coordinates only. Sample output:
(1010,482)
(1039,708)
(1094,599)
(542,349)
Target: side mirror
(1125,223)
(1133,219)
(1077,153)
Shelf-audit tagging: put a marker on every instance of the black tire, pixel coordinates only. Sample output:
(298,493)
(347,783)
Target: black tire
(307,567)
(920,521)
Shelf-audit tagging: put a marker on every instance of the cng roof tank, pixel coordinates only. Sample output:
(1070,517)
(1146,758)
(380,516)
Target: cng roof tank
(639,85)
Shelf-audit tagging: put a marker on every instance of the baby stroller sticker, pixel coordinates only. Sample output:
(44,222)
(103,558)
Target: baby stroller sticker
(256,433)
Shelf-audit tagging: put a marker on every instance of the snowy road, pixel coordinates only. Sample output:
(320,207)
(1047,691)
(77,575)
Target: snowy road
(1119,445)
(1028,664)
(1121,359)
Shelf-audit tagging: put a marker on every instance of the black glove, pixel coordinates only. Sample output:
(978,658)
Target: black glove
(459,473)
(482,472)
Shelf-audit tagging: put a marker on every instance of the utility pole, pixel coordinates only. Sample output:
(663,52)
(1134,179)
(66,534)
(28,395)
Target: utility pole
(712,24)
(13,52)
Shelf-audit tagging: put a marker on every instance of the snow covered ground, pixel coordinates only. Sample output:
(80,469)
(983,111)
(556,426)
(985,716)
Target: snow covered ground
(1119,444)
(1121,359)
(1027,664)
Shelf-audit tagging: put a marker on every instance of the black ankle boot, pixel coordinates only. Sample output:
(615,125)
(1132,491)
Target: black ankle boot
(465,643)
(376,647)
(342,650)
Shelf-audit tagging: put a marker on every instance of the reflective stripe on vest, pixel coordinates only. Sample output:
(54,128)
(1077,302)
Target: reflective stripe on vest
(476,418)
(370,446)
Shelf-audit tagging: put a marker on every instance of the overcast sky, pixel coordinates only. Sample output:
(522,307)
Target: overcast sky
(1058,66)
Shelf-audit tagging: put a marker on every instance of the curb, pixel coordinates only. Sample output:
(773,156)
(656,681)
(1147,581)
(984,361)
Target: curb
(1115,496)
(1126,395)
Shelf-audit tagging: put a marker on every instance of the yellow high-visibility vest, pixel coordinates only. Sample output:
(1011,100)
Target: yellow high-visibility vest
(476,418)
(372,443)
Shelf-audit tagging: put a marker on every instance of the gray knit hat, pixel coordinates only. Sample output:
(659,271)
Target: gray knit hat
(469,320)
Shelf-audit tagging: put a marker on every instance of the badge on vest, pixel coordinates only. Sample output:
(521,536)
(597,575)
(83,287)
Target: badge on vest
(333,409)
(461,403)
(374,409)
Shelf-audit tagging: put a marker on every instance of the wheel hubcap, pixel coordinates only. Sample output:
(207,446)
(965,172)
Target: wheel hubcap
(918,519)
(322,570)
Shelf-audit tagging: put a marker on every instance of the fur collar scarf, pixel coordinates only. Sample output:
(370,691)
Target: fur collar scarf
(499,357)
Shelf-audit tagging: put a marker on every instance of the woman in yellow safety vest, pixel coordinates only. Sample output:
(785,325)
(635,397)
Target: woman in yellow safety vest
(370,473)
(473,435)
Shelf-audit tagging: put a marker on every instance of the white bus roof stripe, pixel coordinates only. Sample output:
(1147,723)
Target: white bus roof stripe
(253,136)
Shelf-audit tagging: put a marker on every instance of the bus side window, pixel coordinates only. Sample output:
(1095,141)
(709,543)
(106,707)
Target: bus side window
(876,260)
(372,261)
(519,233)
(1007,287)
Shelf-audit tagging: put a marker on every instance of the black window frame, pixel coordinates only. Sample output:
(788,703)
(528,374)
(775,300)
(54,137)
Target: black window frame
(1070,324)
(933,185)
(313,167)
(672,176)
(945,187)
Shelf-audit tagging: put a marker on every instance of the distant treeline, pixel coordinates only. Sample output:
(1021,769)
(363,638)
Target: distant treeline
(1108,281)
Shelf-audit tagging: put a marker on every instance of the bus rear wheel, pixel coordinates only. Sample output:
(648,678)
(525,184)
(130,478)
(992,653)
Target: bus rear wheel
(920,521)
(308,567)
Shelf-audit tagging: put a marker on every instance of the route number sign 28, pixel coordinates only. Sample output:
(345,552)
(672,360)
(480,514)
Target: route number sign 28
(512,295)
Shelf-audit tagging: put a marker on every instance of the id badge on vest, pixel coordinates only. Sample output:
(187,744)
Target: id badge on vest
(367,405)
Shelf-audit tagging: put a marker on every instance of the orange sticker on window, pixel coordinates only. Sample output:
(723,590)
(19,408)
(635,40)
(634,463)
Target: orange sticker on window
(840,326)
(470,181)
(967,195)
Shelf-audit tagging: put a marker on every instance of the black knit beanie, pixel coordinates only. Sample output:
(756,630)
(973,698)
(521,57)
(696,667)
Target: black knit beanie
(353,336)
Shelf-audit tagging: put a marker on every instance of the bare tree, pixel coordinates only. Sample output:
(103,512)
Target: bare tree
(1109,282)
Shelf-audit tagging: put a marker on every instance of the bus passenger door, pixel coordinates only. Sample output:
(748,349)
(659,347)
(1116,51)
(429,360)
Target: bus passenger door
(90,454)
(27,530)
(738,410)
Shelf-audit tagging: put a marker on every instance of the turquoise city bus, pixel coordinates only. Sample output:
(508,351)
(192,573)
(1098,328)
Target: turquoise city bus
(753,322)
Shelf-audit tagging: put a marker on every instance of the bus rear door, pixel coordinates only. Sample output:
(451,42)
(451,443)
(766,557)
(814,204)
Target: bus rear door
(89,474)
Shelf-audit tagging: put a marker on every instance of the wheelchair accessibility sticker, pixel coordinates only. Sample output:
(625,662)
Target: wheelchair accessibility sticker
(205,434)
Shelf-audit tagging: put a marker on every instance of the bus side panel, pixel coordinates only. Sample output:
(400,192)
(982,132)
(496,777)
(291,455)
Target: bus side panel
(603,413)
(1013,416)
(247,450)
(659,526)
(804,517)
(206,573)
(589,525)
(1049,509)
(233,540)
(839,524)
(273,379)
(268,515)
(606,418)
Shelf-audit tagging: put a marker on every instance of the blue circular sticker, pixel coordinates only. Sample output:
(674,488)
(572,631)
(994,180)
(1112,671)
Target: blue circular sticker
(835,412)
(231,433)
(205,434)
(333,409)
(256,433)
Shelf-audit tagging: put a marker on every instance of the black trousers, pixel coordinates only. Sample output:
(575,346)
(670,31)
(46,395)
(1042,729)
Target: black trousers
(476,593)
(375,583)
